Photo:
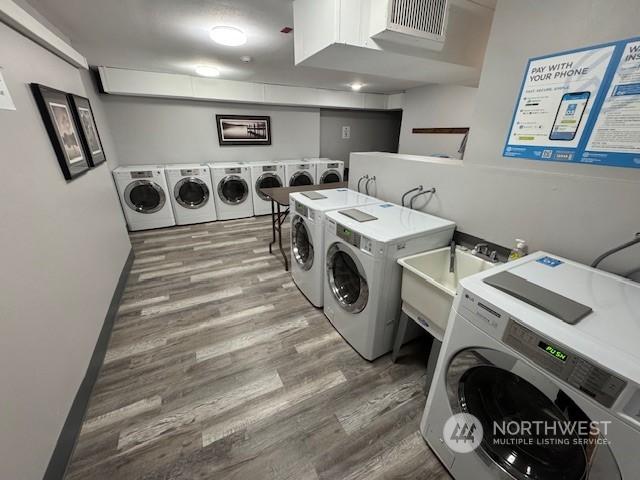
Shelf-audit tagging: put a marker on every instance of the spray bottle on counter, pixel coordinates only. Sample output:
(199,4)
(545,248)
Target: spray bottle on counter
(520,250)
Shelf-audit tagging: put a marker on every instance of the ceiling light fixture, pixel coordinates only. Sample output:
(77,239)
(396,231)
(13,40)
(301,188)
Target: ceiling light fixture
(246,59)
(356,86)
(229,36)
(207,71)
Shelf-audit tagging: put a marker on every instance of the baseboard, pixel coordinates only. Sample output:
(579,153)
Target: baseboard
(72,425)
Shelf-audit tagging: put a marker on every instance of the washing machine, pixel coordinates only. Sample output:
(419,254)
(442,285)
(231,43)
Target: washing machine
(265,175)
(191,193)
(299,172)
(232,190)
(329,171)
(144,196)
(362,278)
(540,364)
(308,211)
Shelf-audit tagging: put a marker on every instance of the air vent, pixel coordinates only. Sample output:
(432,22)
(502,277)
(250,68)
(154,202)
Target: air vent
(421,23)
(426,16)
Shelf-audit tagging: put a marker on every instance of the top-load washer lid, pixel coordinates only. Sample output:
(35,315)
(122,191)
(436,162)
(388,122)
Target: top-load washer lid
(144,196)
(233,189)
(300,178)
(393,223)
(267,180)
(191,193)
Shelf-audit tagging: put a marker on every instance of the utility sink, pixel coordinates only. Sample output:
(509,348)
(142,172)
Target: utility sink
(428,287)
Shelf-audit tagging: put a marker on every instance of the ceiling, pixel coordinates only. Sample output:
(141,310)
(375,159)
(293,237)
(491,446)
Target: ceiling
(173,36)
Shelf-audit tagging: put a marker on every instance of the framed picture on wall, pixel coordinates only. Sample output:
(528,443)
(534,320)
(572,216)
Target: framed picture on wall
(88,130)
(57,115)
(243,130)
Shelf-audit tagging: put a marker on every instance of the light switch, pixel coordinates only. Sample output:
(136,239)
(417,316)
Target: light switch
(346,132)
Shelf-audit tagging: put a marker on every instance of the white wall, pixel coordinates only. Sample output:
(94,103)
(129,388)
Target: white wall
(370,131)
(435,106)
(62,248)
(577,211)
(154,130)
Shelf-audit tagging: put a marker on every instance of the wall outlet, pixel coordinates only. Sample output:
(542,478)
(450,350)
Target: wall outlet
(346,132)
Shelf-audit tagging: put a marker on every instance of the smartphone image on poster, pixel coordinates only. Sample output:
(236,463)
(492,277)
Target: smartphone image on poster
(569,115)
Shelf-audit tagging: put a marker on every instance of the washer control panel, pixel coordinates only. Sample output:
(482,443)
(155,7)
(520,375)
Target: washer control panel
(142,174)
(190,172)
(601,385)
(232,170)
(269,168)
(301,209)
(348,235)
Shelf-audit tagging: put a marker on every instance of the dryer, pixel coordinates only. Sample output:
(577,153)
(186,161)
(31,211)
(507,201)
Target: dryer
(144,196)
(232,190)
(191,193)
(570,393)
(362,276)
(265,175)
(329,171)
(299,172)
(308,211)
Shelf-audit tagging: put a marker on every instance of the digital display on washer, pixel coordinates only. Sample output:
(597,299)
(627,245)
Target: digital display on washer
(553,351)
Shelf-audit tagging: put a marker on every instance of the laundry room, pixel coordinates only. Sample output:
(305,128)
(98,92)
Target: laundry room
(320,239)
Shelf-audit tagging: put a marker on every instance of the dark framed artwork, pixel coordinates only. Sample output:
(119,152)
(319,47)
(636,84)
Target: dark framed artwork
(88,130)
(243,130)
(57,115)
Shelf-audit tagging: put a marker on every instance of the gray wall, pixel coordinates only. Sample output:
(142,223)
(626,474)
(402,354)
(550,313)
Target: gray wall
(370,131)
(151,131)
(62,248)
(577,211)
(435,106)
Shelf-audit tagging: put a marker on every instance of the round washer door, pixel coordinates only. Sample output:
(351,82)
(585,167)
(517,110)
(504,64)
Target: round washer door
(233,190)
(301,243)
(347,280)
(482,382)
(144,196)
(301,178)
(191,192)
(267,180)
(331,176)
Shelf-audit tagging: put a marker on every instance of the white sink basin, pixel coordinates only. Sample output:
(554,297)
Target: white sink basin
(428,287)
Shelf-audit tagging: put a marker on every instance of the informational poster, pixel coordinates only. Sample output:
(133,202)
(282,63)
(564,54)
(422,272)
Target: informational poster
(581,106)
(6,102)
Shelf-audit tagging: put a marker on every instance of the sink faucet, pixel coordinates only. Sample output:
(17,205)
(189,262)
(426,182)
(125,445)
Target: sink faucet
(452,257)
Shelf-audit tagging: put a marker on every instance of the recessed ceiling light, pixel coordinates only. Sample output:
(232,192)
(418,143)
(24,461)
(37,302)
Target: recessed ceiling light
(229,36)
(356,86)
(246,59)
(207,71)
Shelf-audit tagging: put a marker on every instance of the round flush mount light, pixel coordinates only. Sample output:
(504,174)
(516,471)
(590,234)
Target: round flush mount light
(356,86)
(207,71)
(229,36)
(246,59)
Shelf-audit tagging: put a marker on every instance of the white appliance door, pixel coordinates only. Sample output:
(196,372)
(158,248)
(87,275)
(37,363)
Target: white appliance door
(144,196)
(301,243)
(267,180)
(347,278)
(301,178)
(191,193)
(233,190)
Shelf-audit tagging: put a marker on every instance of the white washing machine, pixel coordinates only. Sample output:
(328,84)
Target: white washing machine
(265,175)
(512,358)
(232,190)
(308,211)
(329,171)
(191,193)
(299,172)
(144,196)
(362,277)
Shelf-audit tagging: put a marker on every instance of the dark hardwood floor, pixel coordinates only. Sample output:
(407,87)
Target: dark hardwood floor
(219,368)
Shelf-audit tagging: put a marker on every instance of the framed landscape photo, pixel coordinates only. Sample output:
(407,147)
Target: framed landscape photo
(88,130)
(243,130)
(57,115)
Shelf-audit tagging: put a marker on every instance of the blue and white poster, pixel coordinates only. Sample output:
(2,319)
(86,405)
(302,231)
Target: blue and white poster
(581,106)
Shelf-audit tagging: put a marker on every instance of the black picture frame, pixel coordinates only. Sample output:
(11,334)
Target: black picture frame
(57,115)
(88,129)
(235,130)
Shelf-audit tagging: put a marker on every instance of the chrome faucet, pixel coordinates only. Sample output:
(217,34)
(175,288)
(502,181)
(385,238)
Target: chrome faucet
(482,250)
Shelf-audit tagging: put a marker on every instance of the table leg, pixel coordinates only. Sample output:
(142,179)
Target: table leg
(400,333)
(284,255)
(273,225)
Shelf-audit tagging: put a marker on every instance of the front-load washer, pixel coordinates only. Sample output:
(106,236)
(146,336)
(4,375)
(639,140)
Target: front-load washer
(299,172)
(362,277)
(551,399)
(191,193)
(308,211)
(265,175)
(329,171)
(144,196)
(232,189)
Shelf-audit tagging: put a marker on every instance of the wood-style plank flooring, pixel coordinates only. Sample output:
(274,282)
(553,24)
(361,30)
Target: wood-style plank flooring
(219,368)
